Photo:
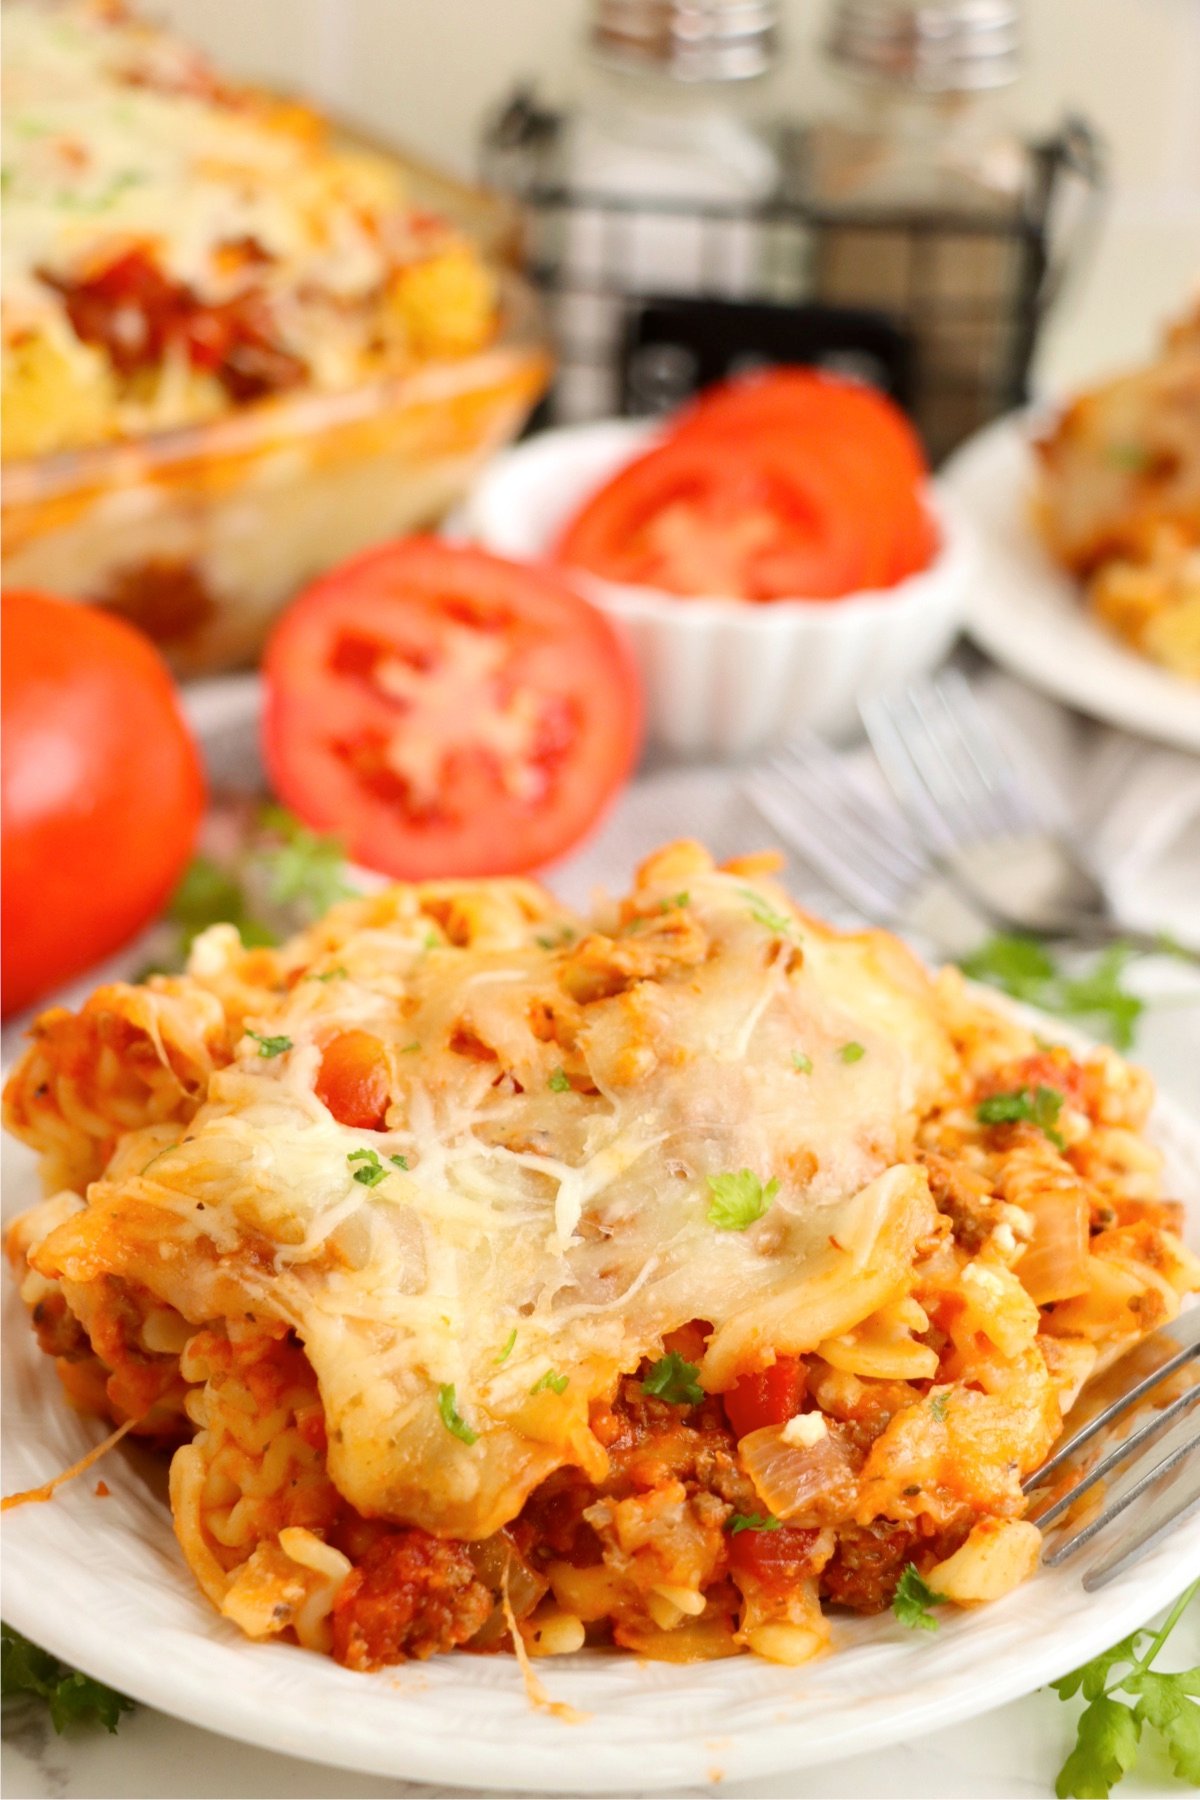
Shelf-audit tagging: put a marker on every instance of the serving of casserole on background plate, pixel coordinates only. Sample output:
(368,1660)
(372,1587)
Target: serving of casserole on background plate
(128,1612)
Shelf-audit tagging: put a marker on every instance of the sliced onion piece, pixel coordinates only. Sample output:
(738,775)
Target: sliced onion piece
(814,1481)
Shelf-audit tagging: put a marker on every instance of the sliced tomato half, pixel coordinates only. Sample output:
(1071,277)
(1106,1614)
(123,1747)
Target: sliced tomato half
(757,519)
(446,712)
(829,416)
(811,402)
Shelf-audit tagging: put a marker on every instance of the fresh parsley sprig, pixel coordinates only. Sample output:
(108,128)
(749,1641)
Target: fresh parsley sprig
(1109,1730)
(737,1200)
(450,1416)
(752,1522)
(73,1699)
(1023,967)
(1040,1106)
(673,1379)
(913,1599)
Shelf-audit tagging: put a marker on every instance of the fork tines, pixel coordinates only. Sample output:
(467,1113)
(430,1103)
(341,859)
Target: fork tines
(1166,1443)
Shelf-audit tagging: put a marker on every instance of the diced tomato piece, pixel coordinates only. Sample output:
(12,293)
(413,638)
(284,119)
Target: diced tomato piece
(768,1397)
(778,1559)
(353,1080)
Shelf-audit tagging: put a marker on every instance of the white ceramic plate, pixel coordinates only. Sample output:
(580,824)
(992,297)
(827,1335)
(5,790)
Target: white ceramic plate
(101,1582)
(1026,613)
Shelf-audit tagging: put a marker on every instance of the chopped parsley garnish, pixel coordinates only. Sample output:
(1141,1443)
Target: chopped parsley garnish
(372,1171)
(1109,1731)
(674,1380)
(451,1418)
(913,1599)
(1133,458)
(73,1699)
(752,1522)
(559,1082)
(304,868)
(401,1162)
(1022,967)
(1040,1106)
(208,895)
(338,974)
(937,1406)
(269,1046)
(764,914)
(432,941)
(802,1062)
(507,1350)
(557,1383)
(557,939)
(410,1049)
(851,1053)
(738,1200)
(675,902)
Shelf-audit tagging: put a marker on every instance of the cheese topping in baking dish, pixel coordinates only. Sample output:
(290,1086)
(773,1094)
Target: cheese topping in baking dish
(175,244)
(667,1264)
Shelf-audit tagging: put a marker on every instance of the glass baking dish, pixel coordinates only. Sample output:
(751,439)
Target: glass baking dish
(201,534)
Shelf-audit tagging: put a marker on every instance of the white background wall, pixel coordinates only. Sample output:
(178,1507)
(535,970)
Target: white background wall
(424,71)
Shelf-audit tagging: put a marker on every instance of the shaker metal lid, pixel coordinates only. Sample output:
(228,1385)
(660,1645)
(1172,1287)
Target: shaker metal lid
(688,40)
(927,46)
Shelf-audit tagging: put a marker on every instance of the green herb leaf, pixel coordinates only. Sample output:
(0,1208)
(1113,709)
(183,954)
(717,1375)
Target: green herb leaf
(269,1046)
(751,1522)
(764,914)
(1021,966)
(937,1406)
(410,1049)
(1092,1676)
(372,1171)
(1105,1749)
(557,1383)
(1133,458)
(674,902)
(555,940)
(1165,1702)
(738,1200)
(912,1601)
(73,1699)
(507,1350)
(211,895)
(802,1062)
(1040,1106)
(1108,1730)
(455,1425)
(851,1053)
(558,1082)
(304,869)
(401,1162)
(338,974)
(674,1380)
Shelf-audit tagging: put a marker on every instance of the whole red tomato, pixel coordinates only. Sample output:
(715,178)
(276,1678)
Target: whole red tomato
(101,785)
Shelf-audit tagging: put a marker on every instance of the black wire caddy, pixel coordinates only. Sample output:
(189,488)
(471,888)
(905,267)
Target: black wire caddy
(942,306)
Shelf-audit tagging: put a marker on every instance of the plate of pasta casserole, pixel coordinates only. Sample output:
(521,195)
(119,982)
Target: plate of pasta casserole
(550,1339)
(1088,520)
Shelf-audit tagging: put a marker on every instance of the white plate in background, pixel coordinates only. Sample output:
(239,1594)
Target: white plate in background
(1030,615)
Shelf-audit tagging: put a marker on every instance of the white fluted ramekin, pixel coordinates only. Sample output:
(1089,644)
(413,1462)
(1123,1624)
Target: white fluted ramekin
(726,678)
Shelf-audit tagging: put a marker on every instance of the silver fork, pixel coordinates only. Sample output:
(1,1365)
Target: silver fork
(1165,1445)
(858,840)
(963,794)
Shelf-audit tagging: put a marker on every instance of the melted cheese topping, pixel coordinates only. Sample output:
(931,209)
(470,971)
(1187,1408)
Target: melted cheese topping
(117,136)
(543,1220)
